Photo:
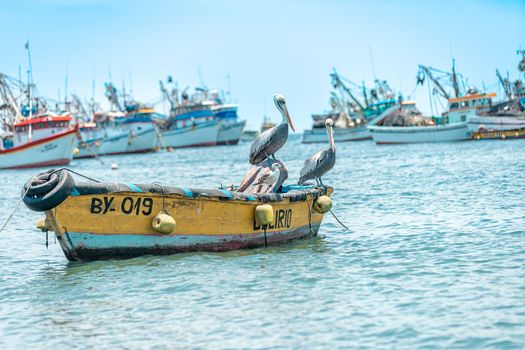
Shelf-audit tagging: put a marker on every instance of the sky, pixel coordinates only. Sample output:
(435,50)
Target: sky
(265,47)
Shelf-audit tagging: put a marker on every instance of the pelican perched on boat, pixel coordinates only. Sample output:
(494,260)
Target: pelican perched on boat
(321,162)
(266,183)
(270,141)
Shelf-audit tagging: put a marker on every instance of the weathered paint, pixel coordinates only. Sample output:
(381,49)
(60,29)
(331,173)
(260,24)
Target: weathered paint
(118,224)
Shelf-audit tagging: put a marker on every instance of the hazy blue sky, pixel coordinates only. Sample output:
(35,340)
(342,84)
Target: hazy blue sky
(266,46)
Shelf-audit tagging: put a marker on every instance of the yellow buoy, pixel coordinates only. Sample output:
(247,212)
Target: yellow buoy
(75,151)
(263,214)
(163,223)
(42,224)
(323,204)
(503,136)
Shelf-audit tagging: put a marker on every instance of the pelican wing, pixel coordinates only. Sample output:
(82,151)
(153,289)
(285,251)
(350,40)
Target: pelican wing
(259,145)
(311,164)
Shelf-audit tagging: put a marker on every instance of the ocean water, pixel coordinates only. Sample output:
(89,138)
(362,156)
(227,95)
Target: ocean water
(434,258)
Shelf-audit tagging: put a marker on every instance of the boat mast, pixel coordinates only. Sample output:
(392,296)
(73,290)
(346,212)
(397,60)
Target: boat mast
(337,82)
(167,96)
(29,85)
(505,83)
(427,71)
(455,78)
(7,95)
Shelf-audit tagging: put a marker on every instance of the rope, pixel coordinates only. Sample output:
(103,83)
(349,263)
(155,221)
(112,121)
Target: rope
(163,196)
(340,223)
(16,208)
(73,172)
(96,156)
(160,137)
(309,215)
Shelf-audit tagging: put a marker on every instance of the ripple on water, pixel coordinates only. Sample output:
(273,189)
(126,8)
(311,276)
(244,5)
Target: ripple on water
(434,258)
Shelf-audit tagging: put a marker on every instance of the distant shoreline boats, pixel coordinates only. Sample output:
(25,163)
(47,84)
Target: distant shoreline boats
(350,113)
(200,119)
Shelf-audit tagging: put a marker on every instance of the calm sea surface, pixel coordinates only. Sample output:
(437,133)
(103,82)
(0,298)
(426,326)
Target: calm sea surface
(435,258)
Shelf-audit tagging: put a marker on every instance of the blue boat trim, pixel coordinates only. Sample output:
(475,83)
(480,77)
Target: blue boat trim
(187,192)
(227,193)
(134,188)
(74,192)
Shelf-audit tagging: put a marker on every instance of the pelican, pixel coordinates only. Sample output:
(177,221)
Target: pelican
(270,141)
(321,162)
(267,181)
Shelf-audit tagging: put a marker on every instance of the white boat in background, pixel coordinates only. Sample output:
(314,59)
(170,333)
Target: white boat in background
(33,137)
(128,129)
(230,127)
(89,142)
(230,133)
(351,114)
(113,138)
(383,135)
(36,142)
(141,130)
(453,125)
(318,135)
(507,115)
(405,124)
(194,118)
(197,135)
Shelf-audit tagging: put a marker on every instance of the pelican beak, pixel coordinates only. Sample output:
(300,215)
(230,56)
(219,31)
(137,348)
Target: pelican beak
(289,119)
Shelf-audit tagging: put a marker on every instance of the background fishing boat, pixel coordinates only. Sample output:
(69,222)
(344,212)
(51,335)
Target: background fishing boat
(200,119)
(32,136)
(351,110)
(231,128)
(408,125)
(508,114)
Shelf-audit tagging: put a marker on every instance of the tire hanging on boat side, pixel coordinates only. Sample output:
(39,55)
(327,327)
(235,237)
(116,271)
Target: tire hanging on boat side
(47,190)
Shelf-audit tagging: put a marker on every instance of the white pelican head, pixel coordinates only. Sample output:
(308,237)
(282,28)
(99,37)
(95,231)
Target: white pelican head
(280,103)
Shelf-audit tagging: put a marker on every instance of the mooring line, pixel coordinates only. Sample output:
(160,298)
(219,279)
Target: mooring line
(16,207)
(339,221)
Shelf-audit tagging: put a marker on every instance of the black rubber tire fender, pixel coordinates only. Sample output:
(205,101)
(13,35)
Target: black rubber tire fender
(54,197)
(41,183)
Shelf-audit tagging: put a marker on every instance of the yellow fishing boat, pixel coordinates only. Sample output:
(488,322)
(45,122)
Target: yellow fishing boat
(94,220)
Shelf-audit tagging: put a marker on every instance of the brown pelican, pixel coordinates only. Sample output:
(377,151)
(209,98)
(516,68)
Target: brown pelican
(321,162)
(270,141)
(267,182)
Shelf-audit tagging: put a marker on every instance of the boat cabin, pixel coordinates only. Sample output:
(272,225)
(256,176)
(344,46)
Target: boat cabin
(33,129)
(461,108)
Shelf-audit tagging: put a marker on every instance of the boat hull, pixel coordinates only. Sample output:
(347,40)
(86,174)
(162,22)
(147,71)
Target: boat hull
(104,221)
(420,134)
(89,246)
(55,150)
(340,135)
(200,135)
(499,134)
(114,143)
(496,123)
(230,133)
(143,138)
(88,149)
